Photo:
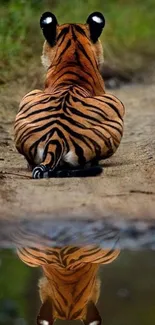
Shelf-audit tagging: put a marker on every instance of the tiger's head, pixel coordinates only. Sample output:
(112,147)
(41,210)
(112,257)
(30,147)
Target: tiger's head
(86,310)
(67,40)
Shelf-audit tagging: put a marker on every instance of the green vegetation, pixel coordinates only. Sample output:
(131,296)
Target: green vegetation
(128,37)
(18,288)
(13,281)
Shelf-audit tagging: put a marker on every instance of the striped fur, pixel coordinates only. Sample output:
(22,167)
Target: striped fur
(73,122)
(70,286)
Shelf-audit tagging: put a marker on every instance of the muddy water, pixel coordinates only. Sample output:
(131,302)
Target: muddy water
(127,291)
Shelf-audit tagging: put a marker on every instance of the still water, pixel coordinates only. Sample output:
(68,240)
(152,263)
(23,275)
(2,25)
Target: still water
(93,283)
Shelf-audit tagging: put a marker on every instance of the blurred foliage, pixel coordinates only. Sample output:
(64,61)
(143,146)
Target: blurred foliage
(128,289)
(15,278)
(128,37)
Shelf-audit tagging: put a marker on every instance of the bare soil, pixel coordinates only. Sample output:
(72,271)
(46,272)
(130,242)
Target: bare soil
(126,188)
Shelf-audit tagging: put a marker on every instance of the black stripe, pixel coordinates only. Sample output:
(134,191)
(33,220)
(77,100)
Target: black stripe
(115,109)
(25,252)
(72,250)
(80,153)
(111,105)
(107,127)
(81,292)
(77,112)
(77,313)
(44,101)
(80,46)
(62,297)
(62,34)
(72,73)
(60,135)
(73,34)
(59,123)
(65,48)
(38,111)
(48,117)
(86,255)
(87,104)
(58,309)
(75,99)
(114,98)
(79,30)
(28,255)
(77,57)
(56,154)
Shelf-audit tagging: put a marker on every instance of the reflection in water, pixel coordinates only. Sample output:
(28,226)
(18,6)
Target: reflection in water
(127,290)
(70,286)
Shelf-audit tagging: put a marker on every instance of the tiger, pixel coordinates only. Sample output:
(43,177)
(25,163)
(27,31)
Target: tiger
(70,286)
(66,129)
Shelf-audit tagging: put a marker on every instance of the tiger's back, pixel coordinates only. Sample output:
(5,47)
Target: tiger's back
(73,121)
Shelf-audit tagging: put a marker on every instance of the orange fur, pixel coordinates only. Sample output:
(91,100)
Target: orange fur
(73,120)
(70,282)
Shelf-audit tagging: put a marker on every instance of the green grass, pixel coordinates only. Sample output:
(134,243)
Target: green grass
(128,37)
(14,279)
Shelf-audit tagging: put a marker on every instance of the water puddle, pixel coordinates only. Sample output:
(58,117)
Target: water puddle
(90,272)
(132,234)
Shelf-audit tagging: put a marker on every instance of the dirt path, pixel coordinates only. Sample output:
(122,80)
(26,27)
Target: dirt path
(126,189)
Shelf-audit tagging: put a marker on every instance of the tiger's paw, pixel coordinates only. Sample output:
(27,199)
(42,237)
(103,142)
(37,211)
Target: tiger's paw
(40,171)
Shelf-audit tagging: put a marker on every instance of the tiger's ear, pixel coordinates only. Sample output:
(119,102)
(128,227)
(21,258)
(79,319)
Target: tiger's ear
(45,315)
(96,23)
(48,24)
(92,315)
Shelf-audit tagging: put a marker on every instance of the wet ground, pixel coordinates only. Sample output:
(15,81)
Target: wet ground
(125,190)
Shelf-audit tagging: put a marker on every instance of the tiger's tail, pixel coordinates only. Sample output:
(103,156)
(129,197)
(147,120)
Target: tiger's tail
(50,166)
(42,171)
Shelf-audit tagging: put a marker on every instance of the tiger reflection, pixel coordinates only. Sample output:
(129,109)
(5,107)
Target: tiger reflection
(70,286)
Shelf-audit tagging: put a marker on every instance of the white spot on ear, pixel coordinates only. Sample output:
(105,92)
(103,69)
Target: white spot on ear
(96,322)
(44,322)
(47,20)
(97,19)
